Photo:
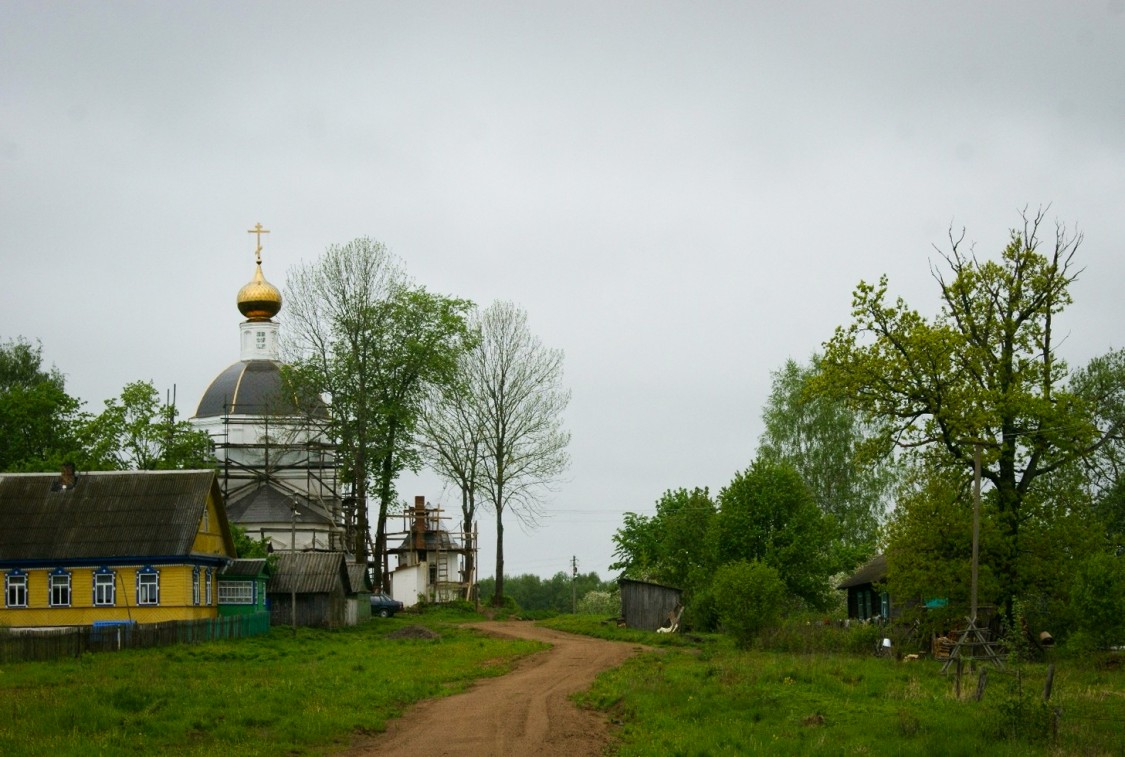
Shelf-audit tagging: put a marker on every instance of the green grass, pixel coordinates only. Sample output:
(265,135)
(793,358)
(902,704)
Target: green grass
(262,696)
(703,697)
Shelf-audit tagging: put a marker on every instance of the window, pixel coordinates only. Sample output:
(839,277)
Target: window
(236,592)
(15,588)
(261,335)
(209,602)
(105,585)
(148,586)
(195,586)
(58,585)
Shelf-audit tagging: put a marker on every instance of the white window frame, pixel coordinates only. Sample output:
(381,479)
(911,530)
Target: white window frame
(195,586)
(15,589)
(148,587)
(102,587)
(236,592)
(209,587)
(58,587)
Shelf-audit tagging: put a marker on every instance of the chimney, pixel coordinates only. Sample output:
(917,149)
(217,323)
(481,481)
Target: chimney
(419,524)
(67,478)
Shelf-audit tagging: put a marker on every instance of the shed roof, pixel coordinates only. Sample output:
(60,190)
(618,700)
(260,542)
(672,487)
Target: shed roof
(247,567)
(309,573)
(358,578)
(874,571)
(105,515)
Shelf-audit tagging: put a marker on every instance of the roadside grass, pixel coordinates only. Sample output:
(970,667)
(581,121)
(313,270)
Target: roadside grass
(268,695)
(704,697)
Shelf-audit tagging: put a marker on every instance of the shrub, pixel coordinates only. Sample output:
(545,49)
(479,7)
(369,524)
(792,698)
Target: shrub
(1098,598)
(749,596)
(600,603)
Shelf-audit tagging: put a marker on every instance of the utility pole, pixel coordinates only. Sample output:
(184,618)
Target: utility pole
(573,584)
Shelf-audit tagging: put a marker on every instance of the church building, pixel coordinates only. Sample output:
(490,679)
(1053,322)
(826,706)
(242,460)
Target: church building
(277,467)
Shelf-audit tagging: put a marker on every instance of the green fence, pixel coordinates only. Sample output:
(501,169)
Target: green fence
(50,644)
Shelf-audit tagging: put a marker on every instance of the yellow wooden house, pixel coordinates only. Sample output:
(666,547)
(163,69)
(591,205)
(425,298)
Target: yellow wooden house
(139,546)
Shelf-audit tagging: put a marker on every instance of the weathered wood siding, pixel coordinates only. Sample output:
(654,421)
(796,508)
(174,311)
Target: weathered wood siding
(645,605)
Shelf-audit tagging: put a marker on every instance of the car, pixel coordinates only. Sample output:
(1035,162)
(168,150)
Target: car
(384,606)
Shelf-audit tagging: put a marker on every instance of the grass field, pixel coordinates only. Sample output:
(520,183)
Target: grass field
(700,696)
(269,695)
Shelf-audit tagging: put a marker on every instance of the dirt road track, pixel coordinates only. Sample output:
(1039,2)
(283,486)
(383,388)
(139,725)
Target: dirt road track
(526,712)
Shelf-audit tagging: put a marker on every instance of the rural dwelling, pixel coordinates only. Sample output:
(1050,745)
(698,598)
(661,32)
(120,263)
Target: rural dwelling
(318,581)
(648,606)
(242,587)
(429,560)
(124,546)
(866,599)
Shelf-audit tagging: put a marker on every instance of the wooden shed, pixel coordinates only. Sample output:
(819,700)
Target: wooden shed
(866,599)
(318,580)
(647,606)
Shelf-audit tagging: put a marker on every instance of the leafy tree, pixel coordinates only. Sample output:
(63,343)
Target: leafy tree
(768,514)
(245,546)
(137,431)
(372,343)
(983,371)
(832,448)
(751,597)
(672,547)
(517,386)
(38,419)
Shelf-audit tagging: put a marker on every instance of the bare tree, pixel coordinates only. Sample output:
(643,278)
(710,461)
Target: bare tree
(372,343)
(517,383)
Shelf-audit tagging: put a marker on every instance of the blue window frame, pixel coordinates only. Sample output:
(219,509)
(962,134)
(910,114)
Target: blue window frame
(15,588)
(58,588)
(148,586)
(105,587)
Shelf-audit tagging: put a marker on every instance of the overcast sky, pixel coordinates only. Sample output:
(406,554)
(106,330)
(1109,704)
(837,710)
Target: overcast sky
(681,195)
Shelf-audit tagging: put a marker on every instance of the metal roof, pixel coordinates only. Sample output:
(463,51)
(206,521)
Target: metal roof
(247,567)
(105,515)
(309,573)
(269,504)
(250,387)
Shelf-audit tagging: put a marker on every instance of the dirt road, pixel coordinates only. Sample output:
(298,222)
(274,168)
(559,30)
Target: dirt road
(526,712)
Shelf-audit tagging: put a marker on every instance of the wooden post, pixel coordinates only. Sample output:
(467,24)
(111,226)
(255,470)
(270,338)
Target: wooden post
(976,531)
(981,683)
(960,669)
(1050,682)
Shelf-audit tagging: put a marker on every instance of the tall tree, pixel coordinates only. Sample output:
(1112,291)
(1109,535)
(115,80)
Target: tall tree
(522,400)
(137,431)
(364,337)
(834,450)
(983,371)
(673,546)
(38,419)
(451,432)
(767,514)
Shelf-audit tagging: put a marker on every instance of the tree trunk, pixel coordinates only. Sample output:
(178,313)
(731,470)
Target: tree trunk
(498,596)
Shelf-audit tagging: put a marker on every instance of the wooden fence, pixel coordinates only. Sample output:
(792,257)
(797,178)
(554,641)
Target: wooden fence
(51,644)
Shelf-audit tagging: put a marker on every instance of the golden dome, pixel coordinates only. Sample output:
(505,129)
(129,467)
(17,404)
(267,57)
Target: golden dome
(259,300)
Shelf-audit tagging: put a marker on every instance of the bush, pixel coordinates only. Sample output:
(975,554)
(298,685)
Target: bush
(1098,599)
(600,603)
(749,596)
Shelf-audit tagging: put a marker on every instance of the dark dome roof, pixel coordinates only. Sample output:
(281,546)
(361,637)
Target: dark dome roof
(249,387)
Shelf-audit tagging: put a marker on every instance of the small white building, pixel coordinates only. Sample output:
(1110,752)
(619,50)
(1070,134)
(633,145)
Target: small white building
(430,559)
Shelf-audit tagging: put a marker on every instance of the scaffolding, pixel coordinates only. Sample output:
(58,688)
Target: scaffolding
(444,552)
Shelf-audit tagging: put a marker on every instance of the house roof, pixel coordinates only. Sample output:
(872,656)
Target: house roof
(874,571)
(309,573)
(247,567)
(105,515)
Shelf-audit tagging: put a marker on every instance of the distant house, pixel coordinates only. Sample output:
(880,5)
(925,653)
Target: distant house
(429,560)
(139,546)
(242,587)
(866,599)
(319,583)
(648,606)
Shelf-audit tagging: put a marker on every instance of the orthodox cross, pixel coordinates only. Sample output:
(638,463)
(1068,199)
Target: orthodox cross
(259,231)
